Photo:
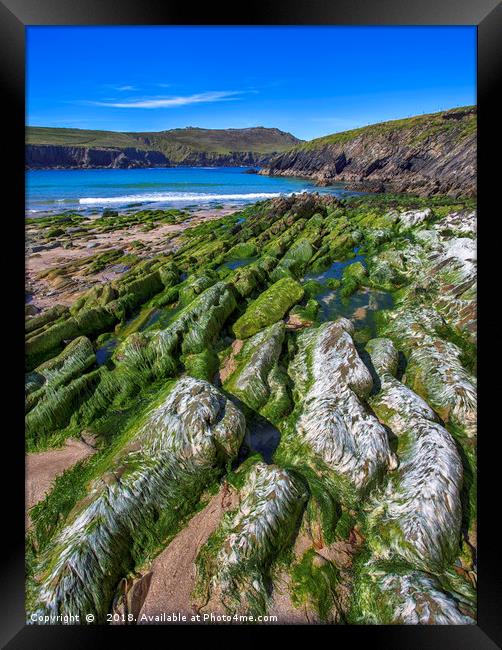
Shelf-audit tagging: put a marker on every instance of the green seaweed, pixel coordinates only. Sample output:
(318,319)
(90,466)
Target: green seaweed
(268,308)
(313,583)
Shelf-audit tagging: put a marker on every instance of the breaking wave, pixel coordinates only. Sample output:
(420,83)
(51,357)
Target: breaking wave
(178,196)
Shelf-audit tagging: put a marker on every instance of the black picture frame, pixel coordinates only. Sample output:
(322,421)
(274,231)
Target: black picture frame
(15,15)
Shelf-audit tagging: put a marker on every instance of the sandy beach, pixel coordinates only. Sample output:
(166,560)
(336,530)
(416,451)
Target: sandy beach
(65,286)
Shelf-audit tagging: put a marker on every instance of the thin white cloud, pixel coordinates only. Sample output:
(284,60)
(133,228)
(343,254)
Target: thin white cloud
(119,87)
(171,102)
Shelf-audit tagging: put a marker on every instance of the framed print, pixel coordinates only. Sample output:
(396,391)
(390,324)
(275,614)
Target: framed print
(250,321)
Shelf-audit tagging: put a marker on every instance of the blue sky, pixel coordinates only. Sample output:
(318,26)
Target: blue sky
(310,81)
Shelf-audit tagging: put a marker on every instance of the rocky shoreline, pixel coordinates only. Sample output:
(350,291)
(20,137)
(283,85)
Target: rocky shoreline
(282,407)
(64,157)
(426,156)
(66,256)
(60,148)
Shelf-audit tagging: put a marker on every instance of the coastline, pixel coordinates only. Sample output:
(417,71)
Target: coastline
(46,283)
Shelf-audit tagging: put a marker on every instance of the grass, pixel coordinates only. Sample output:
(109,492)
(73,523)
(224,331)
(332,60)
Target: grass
(176,143)
(420,127)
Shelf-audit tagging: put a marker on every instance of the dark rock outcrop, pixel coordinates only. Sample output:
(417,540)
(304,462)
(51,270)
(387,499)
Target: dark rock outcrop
(53,156)
(56,156)
(79,148)
(424,155)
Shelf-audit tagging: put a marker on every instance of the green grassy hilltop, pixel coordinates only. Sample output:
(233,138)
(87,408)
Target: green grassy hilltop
(429,125)
(256,140)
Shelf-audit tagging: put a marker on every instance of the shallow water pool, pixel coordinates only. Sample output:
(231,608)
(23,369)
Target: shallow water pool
(263,437)
(243,261)
(361,307)
(335,271)
(104,352)
(160,318)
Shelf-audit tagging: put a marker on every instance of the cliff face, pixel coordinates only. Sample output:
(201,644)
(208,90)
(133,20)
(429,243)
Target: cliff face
(54,156)
(424,155)
(63,157)
(78,148)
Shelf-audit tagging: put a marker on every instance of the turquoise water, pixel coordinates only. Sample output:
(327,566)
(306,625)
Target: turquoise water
(91,190)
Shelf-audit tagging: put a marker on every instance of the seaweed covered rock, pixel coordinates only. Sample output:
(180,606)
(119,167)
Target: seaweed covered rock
(353,277)
(39,320)
(56,410)
(193,287)
(96,311)
(178,448)
(313,288)
(48,340)
(460,223)
(417,516)
(303,316)
(98,296)
(435,371)
(144,357)
(141,358)
(269,307)
(384,275)
(387,511)
(255,377)
(332,383)
(234,566)
(77,357)
(55,389)
(410,327)
(88,321)
(241,250)
(459,254)
(203,365)
(387,597)
(140,286)
(452,265)
(384,356)
(438,265)
(193,329)
(247,278)
(298,256)
(413,218)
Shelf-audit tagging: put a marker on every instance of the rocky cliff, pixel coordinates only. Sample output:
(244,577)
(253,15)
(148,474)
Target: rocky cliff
(54,156)
(424,155)
(78,148)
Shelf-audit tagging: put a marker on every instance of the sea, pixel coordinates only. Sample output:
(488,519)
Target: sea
(89,191)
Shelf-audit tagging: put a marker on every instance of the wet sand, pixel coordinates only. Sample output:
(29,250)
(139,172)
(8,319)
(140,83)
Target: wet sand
(42,468)
(173,570)
(159,240)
